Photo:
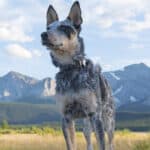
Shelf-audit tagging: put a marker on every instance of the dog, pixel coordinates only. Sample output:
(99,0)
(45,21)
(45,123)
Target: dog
(81,89)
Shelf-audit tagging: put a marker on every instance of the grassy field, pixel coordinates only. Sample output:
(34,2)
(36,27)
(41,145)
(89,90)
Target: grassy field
(123,141)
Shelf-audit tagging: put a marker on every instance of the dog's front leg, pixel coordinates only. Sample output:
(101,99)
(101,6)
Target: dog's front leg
(99,131)
(87,130)
(69,133)
(72,134)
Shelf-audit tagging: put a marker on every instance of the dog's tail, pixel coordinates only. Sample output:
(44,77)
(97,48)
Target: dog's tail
(103,87)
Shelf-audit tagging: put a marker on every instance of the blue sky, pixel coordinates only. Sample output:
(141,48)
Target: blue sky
(116,33)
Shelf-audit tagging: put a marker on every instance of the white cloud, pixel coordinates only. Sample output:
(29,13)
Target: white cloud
(17,23)
(138,26)
(98,60)
(106,14)
(107,23)
(123,4)
(123,18)
(2,3)
(37,53)
(136,46)
(13,32)
(18,51)
(119,34)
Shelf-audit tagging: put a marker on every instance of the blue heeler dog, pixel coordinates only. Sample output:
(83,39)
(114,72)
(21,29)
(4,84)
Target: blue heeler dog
(81,89)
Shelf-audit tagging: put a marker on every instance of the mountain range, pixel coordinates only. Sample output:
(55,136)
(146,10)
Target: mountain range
(130,86)
(15,86)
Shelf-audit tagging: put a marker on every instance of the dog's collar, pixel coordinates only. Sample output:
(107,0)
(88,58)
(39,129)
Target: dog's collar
(77,64)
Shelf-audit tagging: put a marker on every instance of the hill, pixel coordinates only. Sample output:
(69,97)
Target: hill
(22,113)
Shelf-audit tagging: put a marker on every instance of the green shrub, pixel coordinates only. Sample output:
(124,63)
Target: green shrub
(48,130)
(36,130)
(142,145)
(4,124)
(124,132)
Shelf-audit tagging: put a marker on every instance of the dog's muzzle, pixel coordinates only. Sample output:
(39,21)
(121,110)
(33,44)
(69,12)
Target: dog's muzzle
(44,36)
(46,42)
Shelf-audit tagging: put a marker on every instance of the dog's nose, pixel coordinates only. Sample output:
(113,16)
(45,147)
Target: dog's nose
(44,36)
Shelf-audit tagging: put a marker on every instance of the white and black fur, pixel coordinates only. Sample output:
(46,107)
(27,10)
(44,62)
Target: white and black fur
(81,89)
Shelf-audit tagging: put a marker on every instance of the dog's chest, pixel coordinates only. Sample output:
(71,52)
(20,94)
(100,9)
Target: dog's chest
(75,90)
(78,104)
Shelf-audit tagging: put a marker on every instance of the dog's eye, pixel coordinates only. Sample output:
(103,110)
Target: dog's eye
(48,28)
(67,30)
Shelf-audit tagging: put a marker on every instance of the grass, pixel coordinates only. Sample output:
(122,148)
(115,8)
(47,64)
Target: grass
(124,140)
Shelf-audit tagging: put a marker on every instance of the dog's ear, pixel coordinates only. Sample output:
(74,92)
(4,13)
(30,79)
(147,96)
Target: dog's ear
(75,15)
(51,15)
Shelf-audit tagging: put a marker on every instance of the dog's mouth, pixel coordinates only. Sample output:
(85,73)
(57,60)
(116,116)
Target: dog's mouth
(55,48)
(51,45)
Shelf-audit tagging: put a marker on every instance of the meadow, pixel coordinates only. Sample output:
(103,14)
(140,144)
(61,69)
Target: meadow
(35,138)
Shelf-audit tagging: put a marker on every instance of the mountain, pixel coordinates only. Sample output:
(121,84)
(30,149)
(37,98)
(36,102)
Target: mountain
(131,88)
(130,85)
(14,86)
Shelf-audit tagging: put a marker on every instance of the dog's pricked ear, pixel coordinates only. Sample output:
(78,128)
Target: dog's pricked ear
(51,15)
(75,14)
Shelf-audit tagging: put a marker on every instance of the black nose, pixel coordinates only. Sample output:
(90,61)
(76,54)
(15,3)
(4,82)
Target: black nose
(44,36)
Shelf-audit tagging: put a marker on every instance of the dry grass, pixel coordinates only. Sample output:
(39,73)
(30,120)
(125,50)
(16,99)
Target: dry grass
(123,141)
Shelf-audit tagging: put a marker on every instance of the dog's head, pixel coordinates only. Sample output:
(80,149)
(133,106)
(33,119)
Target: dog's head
(62,37)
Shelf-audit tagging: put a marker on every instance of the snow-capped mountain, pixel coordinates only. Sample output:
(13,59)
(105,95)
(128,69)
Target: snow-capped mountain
(131,84)
(14,86)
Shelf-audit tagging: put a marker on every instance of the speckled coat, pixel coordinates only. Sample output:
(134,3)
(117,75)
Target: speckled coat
(82,90)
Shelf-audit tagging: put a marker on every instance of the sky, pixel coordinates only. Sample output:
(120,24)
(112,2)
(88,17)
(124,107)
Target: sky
(116,33)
